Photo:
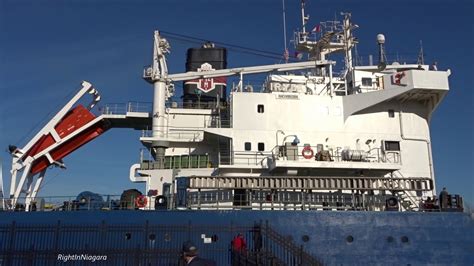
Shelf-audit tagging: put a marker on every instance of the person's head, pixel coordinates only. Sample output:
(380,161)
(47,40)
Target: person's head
(444,189)
(189,250)
(429,199)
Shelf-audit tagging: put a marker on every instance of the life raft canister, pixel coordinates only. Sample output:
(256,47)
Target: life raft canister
(307,152)
(141,201)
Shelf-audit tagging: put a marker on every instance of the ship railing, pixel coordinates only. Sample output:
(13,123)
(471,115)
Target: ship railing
(248,87)
(124,108)
(76,203)
(181,133)
(227,199)
(177,162)
(196,105)
(217,122)
(400,59)
(246,158)
(374,155)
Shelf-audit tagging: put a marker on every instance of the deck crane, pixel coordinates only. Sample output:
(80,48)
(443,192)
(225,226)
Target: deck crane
(75,125)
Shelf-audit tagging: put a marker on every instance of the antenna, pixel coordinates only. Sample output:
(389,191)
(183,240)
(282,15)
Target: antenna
(286,55)
(421,56)
(357,59)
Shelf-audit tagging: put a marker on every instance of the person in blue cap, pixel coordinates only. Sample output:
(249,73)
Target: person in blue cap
(191,258)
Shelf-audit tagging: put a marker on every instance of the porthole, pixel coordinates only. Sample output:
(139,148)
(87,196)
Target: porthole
(404,239)
(305,238)
(350,239)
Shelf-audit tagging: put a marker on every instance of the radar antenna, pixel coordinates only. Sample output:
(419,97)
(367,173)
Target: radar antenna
(382,59)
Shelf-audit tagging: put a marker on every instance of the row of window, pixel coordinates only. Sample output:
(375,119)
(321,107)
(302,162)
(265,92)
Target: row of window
(248,146)
(261,109)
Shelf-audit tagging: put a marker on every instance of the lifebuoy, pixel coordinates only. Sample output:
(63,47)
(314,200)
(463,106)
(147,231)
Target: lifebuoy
(141,201)
(307,152)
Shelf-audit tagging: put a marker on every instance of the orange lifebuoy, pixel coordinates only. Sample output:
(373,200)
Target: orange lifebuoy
(141,201)
(307,152)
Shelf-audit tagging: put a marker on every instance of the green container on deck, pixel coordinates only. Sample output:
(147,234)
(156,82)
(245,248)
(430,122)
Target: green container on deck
(203,159)
(176,162)
(168,162)
(194,161)
(184,161)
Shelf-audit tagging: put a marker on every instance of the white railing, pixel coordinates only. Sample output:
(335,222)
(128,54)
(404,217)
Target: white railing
(339,154)
(246,158)
(181,135)
(123,108)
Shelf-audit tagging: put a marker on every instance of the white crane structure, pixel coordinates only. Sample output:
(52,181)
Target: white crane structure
(364,131)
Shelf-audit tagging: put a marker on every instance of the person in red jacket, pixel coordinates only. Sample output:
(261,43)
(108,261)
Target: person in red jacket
(238,243)
(238,249)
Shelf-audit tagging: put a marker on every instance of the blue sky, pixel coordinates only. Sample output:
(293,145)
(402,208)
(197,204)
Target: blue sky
(48,47)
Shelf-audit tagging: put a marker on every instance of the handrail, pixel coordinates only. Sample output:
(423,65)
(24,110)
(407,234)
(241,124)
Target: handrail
(304,257)
(124,108)
(336,154)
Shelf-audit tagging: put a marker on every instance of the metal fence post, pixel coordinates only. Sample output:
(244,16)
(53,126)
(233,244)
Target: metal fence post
(102,233)
(146,247)
(301,255)
(11,244)
(56,236)
(137,255)
(31,255)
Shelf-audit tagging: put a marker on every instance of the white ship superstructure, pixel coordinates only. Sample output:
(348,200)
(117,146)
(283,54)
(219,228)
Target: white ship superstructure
(308,138)
(308,134)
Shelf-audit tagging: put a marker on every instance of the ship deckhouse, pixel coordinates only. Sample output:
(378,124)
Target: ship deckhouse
(307,137)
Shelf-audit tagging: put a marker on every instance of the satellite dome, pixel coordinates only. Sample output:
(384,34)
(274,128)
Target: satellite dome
(380,38)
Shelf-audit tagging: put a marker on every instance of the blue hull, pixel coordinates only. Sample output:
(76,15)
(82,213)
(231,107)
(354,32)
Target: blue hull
(335,238)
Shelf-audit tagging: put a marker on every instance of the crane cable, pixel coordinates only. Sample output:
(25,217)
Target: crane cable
(237,48)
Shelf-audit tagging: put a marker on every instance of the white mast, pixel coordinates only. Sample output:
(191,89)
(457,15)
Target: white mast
(160,94)
(304,19)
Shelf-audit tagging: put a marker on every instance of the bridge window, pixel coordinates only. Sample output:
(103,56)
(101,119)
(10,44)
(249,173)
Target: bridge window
(261,146)
(260,108)
(248,146)
(391,113)
(367,82)
(392,145)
